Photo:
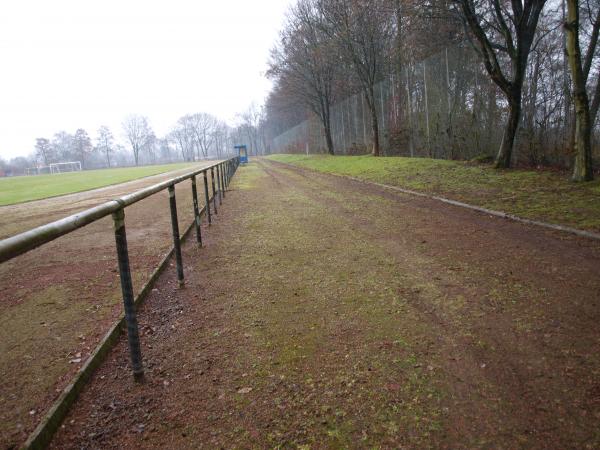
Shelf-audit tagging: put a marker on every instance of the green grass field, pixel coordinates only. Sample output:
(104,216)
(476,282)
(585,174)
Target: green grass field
(22,189)
(540,195)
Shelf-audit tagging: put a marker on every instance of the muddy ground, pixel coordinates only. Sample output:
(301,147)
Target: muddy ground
(326,313)
(59,300)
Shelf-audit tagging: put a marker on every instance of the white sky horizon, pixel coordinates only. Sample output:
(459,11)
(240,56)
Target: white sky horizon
(71,64)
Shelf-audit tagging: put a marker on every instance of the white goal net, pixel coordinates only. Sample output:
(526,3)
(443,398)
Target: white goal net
(72,166)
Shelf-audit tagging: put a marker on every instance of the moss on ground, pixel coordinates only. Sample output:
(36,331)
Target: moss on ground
(539,195)
(325,314)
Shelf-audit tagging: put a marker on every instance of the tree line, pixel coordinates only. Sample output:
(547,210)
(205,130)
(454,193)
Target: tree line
(193,137)
(535,73)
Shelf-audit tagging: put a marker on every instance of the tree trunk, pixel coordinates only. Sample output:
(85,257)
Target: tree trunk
(375,128)
(374,122)
(325,116)
(582,169)
(503,159)
(328,139)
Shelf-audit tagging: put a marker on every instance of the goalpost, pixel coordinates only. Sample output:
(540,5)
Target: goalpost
(71,166)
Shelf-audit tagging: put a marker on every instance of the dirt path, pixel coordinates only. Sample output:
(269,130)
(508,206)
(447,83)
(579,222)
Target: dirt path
(325,313)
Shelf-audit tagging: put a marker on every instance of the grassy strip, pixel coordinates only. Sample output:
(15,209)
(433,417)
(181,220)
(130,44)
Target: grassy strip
(539,195)
(22,189)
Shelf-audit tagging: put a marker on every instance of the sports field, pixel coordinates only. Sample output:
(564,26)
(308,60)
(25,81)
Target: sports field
(22,189)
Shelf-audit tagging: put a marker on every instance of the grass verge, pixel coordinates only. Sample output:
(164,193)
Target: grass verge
(539,195)
(22,189)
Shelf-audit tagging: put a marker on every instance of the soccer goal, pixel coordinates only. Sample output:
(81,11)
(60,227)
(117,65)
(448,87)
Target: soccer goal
(72,166)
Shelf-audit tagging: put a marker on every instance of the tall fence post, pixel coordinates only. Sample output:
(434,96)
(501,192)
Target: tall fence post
(196,211)
(206,198)
(176,240)
(133,336)
(214,191)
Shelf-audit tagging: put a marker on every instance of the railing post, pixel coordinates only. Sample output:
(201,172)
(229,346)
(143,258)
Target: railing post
(196,213)
(214,192)
(219,184)
(206,198)
(176,240)
(228,173)
(133,336)
(223,167)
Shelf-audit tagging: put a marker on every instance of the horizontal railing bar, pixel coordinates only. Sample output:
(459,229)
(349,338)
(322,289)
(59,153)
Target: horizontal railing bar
(28,240)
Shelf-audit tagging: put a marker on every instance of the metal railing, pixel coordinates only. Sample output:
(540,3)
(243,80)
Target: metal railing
(221,174)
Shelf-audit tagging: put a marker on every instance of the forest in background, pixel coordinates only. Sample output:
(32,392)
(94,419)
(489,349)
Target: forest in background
(443,79)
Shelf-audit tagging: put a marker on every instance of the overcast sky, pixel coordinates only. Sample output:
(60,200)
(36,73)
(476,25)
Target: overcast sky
(69,64)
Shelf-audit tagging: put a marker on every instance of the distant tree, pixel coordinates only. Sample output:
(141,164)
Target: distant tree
(182,135)
(221,135)
(363,32)
(137,131)
(105,142)
(504,33)
(18,165)
(149,146)
(203,127)
(62,144)
(43,150)
(82,146)
(580,66)
(164,149)
(249,128)
(121,156)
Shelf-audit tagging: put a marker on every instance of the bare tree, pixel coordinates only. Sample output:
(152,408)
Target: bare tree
(221,134)
(44,150)
(363,32)
(203,127)
(183,137)
(105,142)
(304,61)
(137,130)
(62,144)
(249,128)
(82,146)
(504,34)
